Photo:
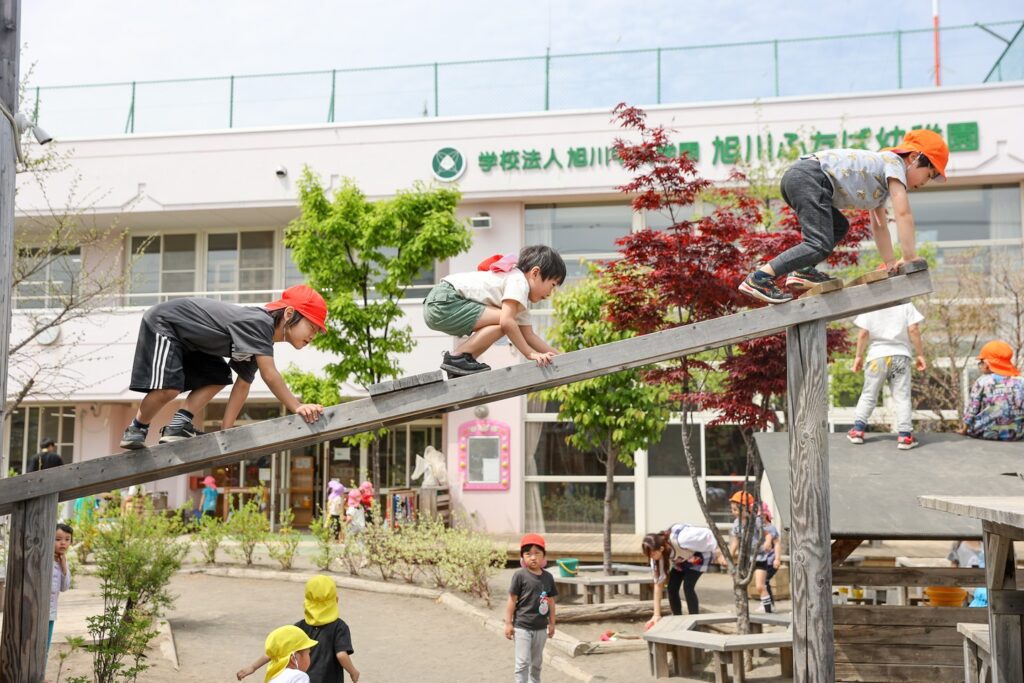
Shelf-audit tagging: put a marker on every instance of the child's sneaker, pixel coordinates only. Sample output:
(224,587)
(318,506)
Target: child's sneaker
(855,435)
(905,443)
(170,434)
(761,285)
(805,278)
(462,364)
(134,437)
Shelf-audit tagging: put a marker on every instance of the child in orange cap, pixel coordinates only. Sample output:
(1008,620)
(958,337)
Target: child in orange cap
(995,409)
(818,185)
(183,344)
(741,505)
(530,611)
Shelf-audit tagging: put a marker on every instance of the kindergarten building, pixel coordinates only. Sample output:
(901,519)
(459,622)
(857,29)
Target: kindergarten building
(209,211)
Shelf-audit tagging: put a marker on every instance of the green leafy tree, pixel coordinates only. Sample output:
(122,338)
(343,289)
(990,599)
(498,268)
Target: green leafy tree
(614,415)
(363,255)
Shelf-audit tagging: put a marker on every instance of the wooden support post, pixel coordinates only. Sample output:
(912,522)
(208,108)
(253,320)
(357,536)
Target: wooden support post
(1005,621)
(27,603)
(811,566)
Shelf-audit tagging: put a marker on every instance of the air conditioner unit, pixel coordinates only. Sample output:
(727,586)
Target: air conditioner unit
(481,221)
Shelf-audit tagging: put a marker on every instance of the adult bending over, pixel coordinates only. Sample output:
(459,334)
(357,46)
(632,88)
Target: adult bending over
(678,556)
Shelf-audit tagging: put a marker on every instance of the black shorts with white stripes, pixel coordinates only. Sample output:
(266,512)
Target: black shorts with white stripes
(163,362)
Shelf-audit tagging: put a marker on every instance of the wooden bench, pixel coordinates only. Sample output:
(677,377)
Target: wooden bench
(596,587)
(977,653)
(680,636)
(618,569)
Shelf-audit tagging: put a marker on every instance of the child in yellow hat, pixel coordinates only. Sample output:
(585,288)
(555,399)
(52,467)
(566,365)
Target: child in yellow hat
(288,654)
(329,662)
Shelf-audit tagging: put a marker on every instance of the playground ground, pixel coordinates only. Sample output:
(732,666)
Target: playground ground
(219,623)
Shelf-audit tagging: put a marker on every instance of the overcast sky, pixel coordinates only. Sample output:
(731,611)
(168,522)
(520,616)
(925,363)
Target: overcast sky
(90,41)
(69,42)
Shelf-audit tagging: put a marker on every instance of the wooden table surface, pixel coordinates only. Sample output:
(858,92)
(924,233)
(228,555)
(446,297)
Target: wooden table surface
(1008,510)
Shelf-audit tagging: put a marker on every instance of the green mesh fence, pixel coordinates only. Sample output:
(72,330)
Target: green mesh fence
(655,75)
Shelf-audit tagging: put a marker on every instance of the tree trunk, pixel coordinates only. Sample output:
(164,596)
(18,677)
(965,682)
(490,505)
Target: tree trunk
(609,489)
(739,594)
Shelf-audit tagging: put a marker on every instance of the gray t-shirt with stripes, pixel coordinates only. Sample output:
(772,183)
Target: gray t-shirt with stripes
(217,328)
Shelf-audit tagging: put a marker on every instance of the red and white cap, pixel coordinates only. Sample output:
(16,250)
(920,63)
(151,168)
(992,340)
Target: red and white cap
(306,301)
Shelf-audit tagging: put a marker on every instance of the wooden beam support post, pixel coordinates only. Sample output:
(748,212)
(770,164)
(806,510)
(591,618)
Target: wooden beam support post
(1005,623)
(810,550)
(27,602)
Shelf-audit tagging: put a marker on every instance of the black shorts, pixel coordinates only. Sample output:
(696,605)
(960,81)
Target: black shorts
(762,564)
(163,362)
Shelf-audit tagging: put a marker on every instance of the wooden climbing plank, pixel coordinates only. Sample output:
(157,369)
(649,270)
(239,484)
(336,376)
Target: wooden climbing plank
(915,266)
(392,385)
(832,285)
(270,436)
(867,278)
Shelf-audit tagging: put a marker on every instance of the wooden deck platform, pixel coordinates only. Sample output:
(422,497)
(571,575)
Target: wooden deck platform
(587,548)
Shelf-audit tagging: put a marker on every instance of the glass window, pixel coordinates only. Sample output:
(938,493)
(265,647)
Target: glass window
(292,274)
(161,265)
(552,456)
(31,424)
(51,277)
(718,494)
(665,458)
(970,214)
(579,231)
(240,262)
(578,507)
(725,452)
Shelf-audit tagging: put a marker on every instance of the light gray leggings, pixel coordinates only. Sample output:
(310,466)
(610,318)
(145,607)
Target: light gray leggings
(529,654)
(896,371)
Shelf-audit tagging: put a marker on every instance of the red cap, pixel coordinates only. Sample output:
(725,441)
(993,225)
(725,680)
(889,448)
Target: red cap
(306,301)
(531,539)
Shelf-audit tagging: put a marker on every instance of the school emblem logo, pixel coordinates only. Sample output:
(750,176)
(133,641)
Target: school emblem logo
(448,164)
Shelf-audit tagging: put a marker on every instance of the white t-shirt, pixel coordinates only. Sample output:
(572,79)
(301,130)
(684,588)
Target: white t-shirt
(291,676)
(492,288)
(358,516)
(887,330)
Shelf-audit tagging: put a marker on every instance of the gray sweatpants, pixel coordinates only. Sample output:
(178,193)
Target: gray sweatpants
(529,653)
(896,371)
(808,191)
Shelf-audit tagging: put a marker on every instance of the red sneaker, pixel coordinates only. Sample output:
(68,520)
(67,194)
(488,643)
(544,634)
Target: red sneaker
(855,436)
(905,443)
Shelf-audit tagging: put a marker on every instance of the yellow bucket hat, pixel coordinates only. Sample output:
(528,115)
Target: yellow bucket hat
(281,644)
(321,604)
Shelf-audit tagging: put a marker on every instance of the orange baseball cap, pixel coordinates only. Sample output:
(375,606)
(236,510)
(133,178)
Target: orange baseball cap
(742,498)
(306,301)
(531,539)
(999,358)
(928,143)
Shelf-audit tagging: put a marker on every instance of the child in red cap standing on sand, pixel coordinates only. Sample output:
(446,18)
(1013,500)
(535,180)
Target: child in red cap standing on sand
(183,344)
(530,611)
(818,185)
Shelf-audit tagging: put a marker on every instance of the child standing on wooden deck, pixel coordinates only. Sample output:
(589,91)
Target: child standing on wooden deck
(818,185)
(492,302)
(530,611)
(183,344)
(896,346)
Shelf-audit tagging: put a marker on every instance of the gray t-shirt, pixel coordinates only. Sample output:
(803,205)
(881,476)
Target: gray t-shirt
(532,591)
(860,178)
(217,328)
(756,538)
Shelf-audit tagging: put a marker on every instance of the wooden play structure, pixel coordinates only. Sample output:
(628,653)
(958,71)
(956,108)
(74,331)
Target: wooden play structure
(874,496)
(32,499)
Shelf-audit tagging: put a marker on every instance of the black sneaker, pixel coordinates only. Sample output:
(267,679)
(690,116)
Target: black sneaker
(170,434)
(462,364)
(134,437)
(761,285)
(805,278)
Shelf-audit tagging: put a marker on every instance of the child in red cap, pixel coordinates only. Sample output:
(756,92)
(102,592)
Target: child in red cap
(818,185)
(530,611)
(183,344)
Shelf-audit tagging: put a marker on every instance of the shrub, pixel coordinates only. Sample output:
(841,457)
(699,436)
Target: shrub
(381,545)
(137,553)
(468,560)
(86,526)
(352,553)
(326,547)
(210,533)
(283,545)
(248,526)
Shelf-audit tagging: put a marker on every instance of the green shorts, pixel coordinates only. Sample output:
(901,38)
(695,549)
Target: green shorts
(445,310)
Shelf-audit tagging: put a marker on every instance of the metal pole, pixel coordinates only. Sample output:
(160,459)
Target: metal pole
(330,112)
(435,88)
(547,79)
(899,59)
(659,75)
(775,60)
(231,105)
(129,125)
(935,26)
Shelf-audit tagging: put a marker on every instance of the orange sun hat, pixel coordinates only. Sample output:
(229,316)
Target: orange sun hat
(998,356)
(928,143)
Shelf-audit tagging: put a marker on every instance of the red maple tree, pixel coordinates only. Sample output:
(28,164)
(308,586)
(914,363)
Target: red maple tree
(689,272)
